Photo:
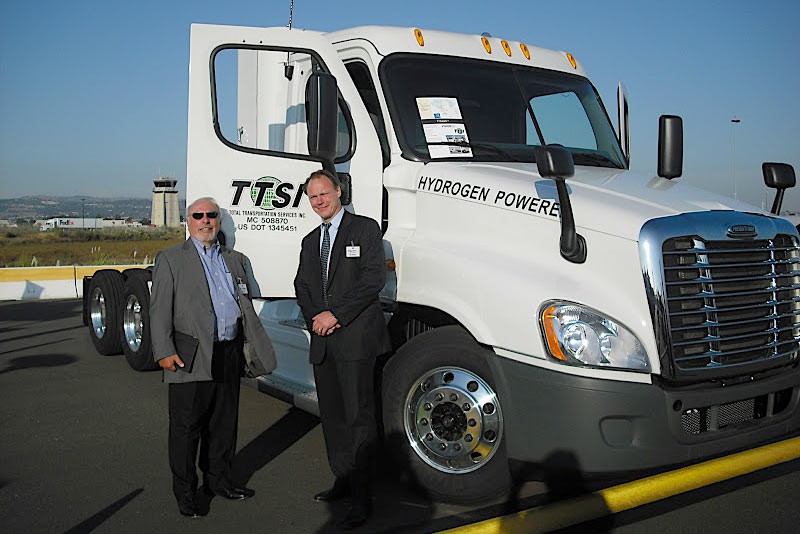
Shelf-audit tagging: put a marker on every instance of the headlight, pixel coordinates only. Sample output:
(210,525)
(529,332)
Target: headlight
(578,335)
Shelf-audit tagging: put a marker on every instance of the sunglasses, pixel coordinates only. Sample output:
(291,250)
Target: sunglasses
(199,215)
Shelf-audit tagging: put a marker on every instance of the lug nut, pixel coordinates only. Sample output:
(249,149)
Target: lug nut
(472,422)
(453,397)
(428,406)
(466,407)
(429,437)
(468,438)
(423,422)
(439,397)
(457,447)
(442,446)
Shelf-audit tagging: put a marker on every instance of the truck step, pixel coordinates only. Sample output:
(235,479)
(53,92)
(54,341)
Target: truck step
(302,396)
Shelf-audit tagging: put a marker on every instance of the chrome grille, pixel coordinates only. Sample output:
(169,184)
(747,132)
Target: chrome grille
(731,302)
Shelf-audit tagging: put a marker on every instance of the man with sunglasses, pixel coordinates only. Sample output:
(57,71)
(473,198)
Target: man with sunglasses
(200,315)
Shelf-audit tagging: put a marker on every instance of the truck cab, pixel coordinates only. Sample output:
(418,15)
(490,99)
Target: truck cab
(542,298)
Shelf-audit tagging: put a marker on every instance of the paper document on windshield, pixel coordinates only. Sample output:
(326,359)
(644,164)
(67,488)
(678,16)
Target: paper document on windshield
(442,123)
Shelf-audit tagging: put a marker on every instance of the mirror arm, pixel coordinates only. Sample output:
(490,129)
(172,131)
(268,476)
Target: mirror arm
(776,205)
(572,244)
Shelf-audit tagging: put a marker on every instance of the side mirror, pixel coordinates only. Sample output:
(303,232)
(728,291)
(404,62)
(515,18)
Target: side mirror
(347,187)
(670,146)
(321,117)
(778,176)
(555,162)
(623,120)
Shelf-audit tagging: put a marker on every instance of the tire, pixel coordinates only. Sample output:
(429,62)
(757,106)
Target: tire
(104,309)
(442,417)
(135,321)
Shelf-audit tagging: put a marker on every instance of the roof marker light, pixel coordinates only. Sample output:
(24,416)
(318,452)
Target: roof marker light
(525,51)
(486,44)
(572,61)
(418,35)
(506,48)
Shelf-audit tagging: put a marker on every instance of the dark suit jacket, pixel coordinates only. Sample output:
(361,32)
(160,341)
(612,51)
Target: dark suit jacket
(353,288)
(181,302)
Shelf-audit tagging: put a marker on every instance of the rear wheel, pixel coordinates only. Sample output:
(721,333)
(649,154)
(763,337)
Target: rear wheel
(443,419)
(104,310)
(135,324)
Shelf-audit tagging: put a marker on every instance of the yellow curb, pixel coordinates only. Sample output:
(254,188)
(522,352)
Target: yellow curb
(71,272)
(633,494)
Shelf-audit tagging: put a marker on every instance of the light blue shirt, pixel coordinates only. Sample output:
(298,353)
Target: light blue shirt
(332,231)
(222,291)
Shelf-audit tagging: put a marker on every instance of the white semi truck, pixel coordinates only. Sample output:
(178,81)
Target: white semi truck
(542,298)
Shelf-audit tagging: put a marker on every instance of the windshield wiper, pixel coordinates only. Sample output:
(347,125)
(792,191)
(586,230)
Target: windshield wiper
(597,159)
(486,146)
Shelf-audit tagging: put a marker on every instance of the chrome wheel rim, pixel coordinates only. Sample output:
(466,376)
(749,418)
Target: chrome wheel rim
(97,312)
(132,323)
(453,420)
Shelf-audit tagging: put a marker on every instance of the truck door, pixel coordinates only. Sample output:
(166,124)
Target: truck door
(247,141)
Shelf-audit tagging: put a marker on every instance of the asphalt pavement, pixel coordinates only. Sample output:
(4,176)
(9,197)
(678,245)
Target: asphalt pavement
(83,448)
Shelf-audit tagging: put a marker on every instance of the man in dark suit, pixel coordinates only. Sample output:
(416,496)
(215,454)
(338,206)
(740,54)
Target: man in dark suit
(200,316)
(342,270)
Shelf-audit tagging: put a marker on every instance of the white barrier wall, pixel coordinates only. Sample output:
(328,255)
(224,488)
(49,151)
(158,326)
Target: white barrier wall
(31,283)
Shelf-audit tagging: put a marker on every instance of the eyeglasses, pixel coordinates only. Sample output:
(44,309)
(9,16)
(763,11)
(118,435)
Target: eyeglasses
(199,215)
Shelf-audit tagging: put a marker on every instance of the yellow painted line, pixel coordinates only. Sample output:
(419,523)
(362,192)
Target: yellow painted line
(70,272)
(636,493)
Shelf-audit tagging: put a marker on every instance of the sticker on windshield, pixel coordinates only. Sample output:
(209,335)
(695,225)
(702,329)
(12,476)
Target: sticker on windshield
(435,108)
(444,128)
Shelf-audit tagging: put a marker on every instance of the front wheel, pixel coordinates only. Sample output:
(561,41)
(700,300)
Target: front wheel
(443,417)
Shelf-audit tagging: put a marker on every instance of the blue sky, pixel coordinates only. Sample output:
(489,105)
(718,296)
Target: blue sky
(93,94)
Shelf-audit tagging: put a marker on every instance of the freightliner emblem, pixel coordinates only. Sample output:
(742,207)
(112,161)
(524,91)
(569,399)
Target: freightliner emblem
(739,231)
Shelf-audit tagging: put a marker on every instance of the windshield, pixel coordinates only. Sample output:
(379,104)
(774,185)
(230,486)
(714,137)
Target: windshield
(456,108)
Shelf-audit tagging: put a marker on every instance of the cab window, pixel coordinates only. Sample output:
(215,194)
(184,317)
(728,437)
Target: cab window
(259,101)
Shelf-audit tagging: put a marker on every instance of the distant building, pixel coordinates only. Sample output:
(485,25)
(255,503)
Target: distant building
(77,223)
(166,209)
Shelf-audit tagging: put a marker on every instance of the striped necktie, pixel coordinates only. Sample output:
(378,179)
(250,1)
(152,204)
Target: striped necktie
(323,258)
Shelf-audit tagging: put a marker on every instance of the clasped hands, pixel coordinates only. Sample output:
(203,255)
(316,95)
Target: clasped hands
(325,323)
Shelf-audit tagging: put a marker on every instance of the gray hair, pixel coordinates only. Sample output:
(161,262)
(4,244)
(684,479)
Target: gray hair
(197,201)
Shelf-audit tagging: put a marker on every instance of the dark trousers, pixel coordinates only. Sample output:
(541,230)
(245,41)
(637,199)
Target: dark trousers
(347,411)
(205,414)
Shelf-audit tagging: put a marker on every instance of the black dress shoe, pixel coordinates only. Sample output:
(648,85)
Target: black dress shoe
(188,511)
(337,492)
(190,508)
(235,494)
(356,516)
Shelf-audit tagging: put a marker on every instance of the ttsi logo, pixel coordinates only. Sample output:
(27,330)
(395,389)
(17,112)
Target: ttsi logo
(268,193)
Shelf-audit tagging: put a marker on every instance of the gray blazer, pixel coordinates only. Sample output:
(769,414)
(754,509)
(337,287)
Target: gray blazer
(180,301)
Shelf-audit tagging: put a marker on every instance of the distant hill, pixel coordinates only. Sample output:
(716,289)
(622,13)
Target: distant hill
(43,207)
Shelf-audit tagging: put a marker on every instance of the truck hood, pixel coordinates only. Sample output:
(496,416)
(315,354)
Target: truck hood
(612,201)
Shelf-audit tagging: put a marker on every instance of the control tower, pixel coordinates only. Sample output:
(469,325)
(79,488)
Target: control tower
(166,209)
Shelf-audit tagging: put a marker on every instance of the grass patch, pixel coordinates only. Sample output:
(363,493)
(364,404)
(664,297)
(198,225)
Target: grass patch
(78,247)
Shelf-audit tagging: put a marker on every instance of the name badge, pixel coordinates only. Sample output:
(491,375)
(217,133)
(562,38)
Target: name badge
(353,251)
(242,287)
